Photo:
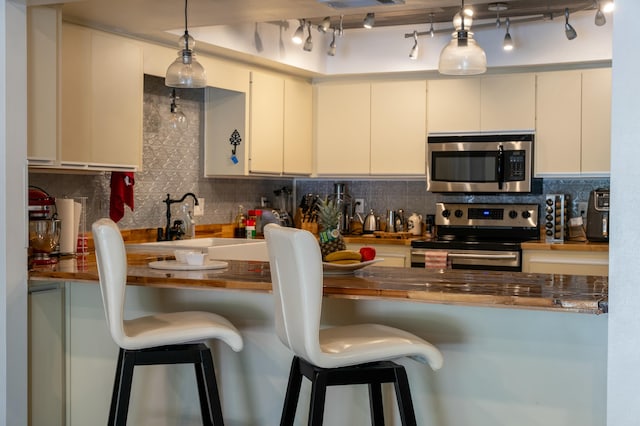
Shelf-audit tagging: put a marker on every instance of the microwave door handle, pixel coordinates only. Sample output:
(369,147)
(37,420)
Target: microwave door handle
(500,166)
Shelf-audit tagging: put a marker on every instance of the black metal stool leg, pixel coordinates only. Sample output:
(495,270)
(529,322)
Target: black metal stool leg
(210,405)
(403,395)
(122,388)
(318,395)
(292,395)
(375,403)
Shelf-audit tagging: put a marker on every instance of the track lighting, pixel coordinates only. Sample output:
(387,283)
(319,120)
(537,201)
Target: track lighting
(432,32)
(299,34)
(369,20)
(332,46)
(497,7)
(325,25)
(569,31)
(186,71)
(414,50)
(508,42)
(600,19)
(462,56)
(308,44)
(177,120)
(340,26)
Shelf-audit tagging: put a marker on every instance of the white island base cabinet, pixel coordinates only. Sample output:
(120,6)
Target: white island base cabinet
(393,255)
(566,262)
(501,366)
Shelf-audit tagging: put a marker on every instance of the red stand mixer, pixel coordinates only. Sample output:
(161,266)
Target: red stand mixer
(44,227)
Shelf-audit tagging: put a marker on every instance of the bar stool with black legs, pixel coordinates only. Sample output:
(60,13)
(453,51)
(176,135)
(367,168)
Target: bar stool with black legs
(164,338)
(352,354)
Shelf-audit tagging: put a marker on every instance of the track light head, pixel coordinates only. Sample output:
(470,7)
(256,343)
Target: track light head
(299,34)
(369,20)
(569,31)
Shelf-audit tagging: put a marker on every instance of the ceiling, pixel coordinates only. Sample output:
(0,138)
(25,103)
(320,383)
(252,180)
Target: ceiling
(151,18)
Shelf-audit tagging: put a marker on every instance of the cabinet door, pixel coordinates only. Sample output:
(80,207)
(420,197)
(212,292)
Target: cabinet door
(565,262)
(76,95)
(43,39)
(507,102)
(453,105)
(102,89)
(343,131)
(298,127)
(398,127)
(398,256)
(558,120)
(266,123)
(596,121)
(117,82)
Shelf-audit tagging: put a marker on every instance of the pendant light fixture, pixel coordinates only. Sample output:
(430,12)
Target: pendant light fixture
(600,19)
(177,119)
(507,45)
(186,71)
(462,56)
(569,31)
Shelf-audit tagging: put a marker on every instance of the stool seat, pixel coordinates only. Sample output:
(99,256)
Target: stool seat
(362,343)
(178,327)
(351,354)
(163,338)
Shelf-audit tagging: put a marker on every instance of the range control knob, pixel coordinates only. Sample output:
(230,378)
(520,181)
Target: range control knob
(513,214)
(526,214)
(446,213)
(459,213)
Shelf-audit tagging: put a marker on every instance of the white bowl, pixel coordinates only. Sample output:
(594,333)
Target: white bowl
(195,258)
(181,255)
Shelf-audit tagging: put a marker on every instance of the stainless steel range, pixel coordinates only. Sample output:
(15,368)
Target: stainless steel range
(480,236)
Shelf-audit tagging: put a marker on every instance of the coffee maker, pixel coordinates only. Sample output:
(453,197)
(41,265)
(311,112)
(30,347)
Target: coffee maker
(598,215)
(44,227)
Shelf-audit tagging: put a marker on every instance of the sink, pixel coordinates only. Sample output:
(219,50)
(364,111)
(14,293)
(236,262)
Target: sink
(217,248)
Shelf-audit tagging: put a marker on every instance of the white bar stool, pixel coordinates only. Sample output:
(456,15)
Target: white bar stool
(171,338)
(353,354)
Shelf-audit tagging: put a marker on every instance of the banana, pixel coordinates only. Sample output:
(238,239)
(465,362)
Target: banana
(343,255)
(344,261)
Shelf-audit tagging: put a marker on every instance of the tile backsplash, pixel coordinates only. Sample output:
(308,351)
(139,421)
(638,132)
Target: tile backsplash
(172,165)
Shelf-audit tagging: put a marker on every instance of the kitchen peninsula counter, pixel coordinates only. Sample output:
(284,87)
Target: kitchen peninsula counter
(552,292)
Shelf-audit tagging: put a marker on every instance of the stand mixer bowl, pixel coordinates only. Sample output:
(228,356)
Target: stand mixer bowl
(44,236)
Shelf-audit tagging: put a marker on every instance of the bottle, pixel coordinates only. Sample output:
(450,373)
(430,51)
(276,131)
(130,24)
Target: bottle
(240,224)
(251,229)
(259,223)
(188,222)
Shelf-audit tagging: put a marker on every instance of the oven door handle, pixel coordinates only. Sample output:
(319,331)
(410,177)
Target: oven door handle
(483,256)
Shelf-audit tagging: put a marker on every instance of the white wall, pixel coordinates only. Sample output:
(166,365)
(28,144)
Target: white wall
(13,252)
(624,290)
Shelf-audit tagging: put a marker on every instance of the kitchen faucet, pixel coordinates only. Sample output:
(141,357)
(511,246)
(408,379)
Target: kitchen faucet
(169,233)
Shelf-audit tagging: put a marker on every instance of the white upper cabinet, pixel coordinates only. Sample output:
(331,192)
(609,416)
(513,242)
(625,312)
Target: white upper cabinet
(343,128)
(398,127)
(573,123)
(266,123)
(492,103)
(102,97)
(596,122)
(44,26)
(371,129)
(298,127)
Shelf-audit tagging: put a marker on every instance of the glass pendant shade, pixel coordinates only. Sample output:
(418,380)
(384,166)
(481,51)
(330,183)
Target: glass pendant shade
(462,56)
(186,71)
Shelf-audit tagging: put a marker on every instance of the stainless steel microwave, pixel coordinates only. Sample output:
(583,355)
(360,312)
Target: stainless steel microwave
(479,163)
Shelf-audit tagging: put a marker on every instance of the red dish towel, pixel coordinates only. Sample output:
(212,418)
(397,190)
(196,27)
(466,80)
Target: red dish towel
(121,194)
(437,259)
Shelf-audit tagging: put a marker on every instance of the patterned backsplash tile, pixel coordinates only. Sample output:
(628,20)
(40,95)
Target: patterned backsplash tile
(172,165)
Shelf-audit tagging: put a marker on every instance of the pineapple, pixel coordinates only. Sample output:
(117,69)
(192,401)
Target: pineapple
(328,218)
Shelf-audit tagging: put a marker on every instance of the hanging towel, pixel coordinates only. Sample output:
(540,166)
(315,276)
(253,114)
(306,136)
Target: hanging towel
(121,194)
(437,259)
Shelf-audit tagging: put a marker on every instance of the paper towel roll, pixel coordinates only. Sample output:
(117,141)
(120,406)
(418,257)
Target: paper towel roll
(68,229)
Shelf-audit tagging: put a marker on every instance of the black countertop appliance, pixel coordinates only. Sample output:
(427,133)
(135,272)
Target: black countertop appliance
(598,215)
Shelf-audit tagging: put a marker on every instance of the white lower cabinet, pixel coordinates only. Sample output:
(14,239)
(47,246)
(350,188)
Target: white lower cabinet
(47,355)
(572,262)
(394,255)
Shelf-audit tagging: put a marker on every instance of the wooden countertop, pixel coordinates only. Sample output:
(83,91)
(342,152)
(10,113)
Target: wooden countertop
(562,293)
(567,245)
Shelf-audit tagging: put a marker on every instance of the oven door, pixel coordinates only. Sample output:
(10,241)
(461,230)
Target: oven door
(488,260)
(484,163)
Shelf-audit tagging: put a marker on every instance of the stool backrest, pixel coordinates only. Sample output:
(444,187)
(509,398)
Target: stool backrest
(111,258)
(296,274)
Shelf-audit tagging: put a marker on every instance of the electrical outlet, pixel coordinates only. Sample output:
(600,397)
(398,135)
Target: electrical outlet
(359,205)
(582,209)
(199,209)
